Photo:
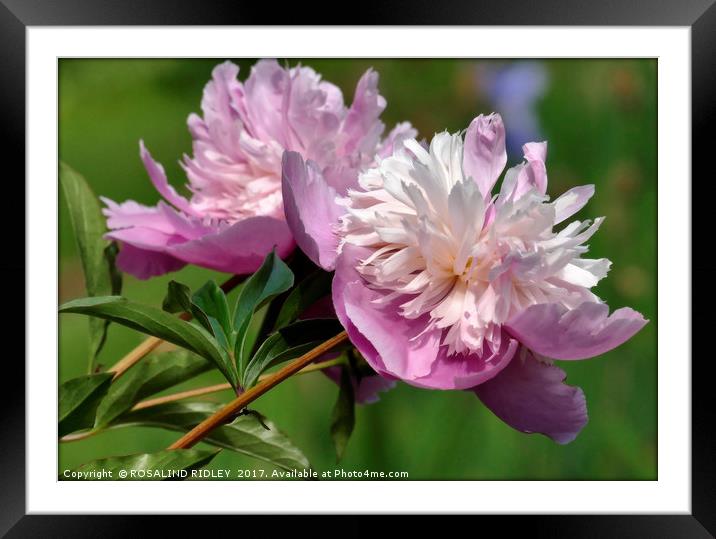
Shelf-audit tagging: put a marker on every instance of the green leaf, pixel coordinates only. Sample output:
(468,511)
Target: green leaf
(88,224)
(178,298)
(97,338)
(208,306)
(246,434)
(288,343)
(159,324)
(211,301)
(273,278)
(261,439)
(150,376)
(343,415)
(162,465)
(78,401)
(314,287)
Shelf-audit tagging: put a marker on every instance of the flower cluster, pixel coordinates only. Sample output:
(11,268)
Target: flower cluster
(439,281)
(235,214)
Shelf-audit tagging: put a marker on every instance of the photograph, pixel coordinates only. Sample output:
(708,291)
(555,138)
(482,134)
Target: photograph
(386,269)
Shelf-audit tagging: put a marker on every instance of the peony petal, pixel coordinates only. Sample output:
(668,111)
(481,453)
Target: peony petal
(362,127)
(533,173)
(311,210)
(239,248)
(147,239)
(466,371)
(144,264)
(394,141)
(570,202)
(159,179)
(219,160)
(144,234)
(535,151)
(532,397)
(484,154)
(398,347)
(218,102)
(266,91)
(345,277)
(554,331)
(367,389)
(152,228)
(314,112)
(131,214)
(172,240)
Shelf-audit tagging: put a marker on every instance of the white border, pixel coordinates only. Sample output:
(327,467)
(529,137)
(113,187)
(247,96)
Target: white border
(671,493)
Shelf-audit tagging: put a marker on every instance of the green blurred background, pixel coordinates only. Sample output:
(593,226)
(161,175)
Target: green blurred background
(600,119)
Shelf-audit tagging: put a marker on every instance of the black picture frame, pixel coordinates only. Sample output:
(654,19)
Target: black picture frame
(699,15)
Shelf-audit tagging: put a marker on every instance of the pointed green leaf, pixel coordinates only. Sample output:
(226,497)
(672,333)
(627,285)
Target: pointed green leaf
(288,343)
(212,301)
(88,225)
(343,416)
(178,298)
(162,465)
(78,401)
(246,434)
(159,324)
(150,376)
(260,439)
(206,306)
(273,278)
(314,287)
(211,309)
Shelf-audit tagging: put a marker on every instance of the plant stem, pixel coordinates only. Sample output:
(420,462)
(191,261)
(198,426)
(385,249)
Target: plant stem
(181,395)
(149,344)
(226,386)
(313,368)
(232,408)
(199,392)
(75,437)
(146,346)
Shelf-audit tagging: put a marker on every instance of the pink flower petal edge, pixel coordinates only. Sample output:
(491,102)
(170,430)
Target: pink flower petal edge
(167,240)
(311,211)
(144,264)
(484,153)
(588,330)
(239,248)
(532,397)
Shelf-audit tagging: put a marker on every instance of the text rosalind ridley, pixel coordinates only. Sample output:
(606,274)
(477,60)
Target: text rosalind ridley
(338,473)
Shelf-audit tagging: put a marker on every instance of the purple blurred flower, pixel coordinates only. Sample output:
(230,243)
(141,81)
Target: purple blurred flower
(513,90)
(445,286)
(235,214)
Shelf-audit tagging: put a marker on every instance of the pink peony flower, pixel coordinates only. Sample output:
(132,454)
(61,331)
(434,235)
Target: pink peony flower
(235,214)
(445,286)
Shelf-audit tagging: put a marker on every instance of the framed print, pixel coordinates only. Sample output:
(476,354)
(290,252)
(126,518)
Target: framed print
(366,269)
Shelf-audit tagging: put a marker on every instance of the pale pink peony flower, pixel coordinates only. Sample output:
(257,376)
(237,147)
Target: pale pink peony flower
(235,214)
(443,285)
